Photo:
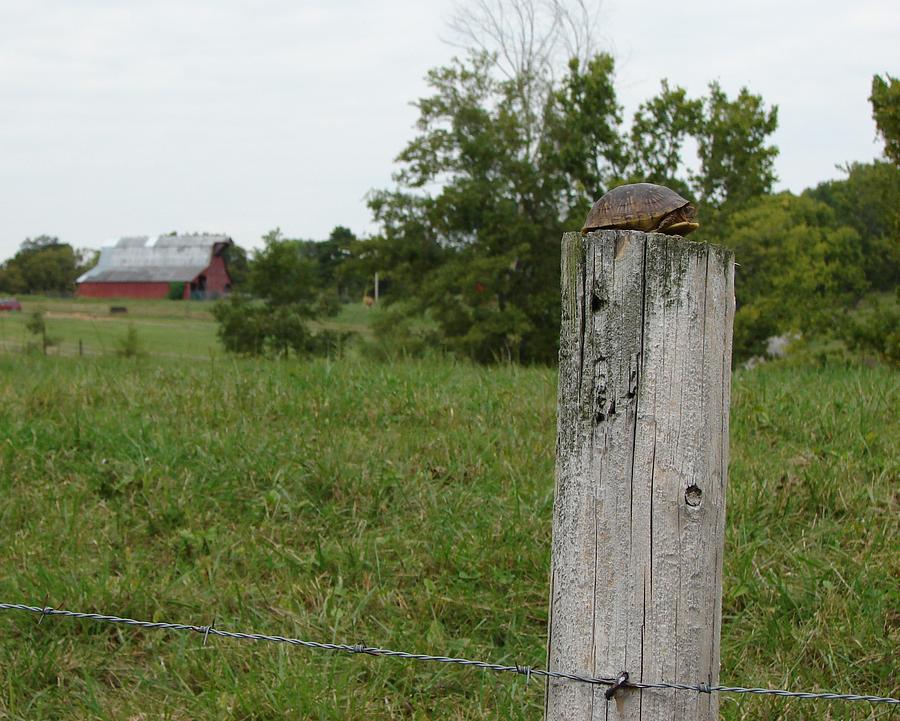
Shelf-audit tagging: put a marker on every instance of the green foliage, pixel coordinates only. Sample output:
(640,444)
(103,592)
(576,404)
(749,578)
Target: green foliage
(885,99)
(281,273)
(583,150)
(42,265)
(335,274)
(283,280)
(237,264)
(481,255)
(736,164)
(408,506)
(176,290)
(11,278)
(876,330)
(130,345)
(660,127)
(36,325)
(471,234)
(249,327)
(868,200)
(252,328)
(798,262)
(400,334)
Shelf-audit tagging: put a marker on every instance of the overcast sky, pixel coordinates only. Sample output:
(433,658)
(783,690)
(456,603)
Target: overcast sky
(121,117)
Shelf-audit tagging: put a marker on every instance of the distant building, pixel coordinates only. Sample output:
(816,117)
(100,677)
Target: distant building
(151,267)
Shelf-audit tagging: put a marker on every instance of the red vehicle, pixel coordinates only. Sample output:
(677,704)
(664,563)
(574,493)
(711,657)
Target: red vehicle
(10,304)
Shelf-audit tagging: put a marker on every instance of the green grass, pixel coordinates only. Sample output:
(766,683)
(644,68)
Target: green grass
(408,506)
(165,328)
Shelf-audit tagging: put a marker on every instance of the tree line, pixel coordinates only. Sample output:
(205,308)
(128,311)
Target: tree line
(469,236)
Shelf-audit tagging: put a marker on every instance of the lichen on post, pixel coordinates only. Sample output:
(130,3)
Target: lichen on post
(642,455)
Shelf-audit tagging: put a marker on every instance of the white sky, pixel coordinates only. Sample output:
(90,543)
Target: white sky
(119,117)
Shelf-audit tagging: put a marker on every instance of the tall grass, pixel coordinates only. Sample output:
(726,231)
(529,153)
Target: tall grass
(408,506)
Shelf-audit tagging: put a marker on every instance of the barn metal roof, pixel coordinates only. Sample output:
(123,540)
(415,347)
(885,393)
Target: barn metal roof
(166,258)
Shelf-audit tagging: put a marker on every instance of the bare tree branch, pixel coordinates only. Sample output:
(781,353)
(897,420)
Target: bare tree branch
(530,38)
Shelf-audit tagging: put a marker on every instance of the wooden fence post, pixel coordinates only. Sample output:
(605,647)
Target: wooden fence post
(642,457)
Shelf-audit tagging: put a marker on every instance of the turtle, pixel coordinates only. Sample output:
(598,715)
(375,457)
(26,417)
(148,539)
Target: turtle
(643,206)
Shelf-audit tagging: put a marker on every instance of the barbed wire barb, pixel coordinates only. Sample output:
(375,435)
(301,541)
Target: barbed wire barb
(621,681)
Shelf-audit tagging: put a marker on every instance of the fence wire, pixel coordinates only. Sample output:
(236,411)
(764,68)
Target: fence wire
(360,648)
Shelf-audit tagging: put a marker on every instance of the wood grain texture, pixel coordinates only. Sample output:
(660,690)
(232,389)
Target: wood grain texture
(642,454)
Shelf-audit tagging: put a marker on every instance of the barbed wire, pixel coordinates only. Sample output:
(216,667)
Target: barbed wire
(621,681)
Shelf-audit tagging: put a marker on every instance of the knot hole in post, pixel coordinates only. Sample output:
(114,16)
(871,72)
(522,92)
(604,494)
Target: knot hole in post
(693,495)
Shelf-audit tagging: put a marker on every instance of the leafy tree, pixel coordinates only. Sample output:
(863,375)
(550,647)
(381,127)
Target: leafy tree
(37,325)
(285,297)
(40,242)
(129,346)
(11,278)
(658,132)
(333,270)
(885,99)
(874,330)
(281,273)
(42,264)
(470,235)
(481,254)
(583,151)
(736,164)
(237,264)
(798,261)
(868,200)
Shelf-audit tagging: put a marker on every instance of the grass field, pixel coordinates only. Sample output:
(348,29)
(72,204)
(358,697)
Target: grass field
(165,328)
(398,505)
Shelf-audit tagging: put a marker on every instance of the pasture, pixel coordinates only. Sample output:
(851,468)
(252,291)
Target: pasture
(405,505)
(165,328)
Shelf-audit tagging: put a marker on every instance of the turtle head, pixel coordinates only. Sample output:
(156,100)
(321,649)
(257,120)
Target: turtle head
(680,221)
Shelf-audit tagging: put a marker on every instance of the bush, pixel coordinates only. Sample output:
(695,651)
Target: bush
(253,328)
(399,334)
(176,290)
(876,331)
(130,345)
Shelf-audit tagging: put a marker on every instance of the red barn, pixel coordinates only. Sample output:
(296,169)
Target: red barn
(150,267)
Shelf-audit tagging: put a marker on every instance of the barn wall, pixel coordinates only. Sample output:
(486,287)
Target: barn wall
(123,290)
(217,278)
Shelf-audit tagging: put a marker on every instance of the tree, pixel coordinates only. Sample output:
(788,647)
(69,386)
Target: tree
(281,274)
(885,99)
(660,127)
(11,278)
(735,159)
(40,242)
(530,42)
(237,264)
(285,297)
(798,262)
(868,200)
(42,264)
(736,164)
(583,152)
(514,143)
(481,255)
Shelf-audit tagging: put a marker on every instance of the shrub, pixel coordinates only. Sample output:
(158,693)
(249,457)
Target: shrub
(253,328)
(876,331)
(176,290)
(130,345)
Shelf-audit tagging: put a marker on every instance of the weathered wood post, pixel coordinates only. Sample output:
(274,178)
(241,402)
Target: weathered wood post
(642,456)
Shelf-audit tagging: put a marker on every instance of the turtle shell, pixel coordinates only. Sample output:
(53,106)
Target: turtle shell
(639,206)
